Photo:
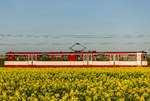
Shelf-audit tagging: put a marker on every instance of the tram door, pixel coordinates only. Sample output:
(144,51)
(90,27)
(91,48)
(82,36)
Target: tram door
(87,59)
(115,59)
(32,58)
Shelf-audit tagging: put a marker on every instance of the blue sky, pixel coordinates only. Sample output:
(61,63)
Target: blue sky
(54,25)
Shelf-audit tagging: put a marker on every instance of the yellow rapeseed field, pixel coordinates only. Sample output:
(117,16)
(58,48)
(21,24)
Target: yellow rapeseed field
(75,84)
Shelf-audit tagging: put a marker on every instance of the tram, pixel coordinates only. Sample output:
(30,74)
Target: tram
(76,59)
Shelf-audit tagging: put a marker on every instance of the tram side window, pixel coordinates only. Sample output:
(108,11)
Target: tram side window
(78,57)
(131,57)
(44,58)
(104,58)
(48,58)
(96,58)
(32,57)
(111,57)
(116,57)
(123,57)
(128,57)
(40,58)
(144,57)
(100,57)
(20,58)
(65,57)
(8,58)
(57,58)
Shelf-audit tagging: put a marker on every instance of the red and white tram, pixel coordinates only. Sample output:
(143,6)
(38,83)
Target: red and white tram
(76,59)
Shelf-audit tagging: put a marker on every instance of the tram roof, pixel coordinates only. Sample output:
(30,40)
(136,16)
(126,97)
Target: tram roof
(73,52)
